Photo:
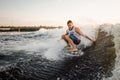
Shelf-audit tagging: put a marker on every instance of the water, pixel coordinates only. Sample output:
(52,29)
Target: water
(37,54)
(115,31)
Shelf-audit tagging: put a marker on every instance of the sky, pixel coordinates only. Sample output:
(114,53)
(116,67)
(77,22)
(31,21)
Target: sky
(57,12)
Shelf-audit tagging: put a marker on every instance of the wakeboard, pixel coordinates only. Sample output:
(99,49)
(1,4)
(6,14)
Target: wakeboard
(66,51)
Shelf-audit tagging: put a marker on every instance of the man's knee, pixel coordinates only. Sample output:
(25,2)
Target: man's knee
(63,36)
(66,36)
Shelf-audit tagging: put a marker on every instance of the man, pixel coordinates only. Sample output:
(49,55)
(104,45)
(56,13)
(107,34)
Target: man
(72,36)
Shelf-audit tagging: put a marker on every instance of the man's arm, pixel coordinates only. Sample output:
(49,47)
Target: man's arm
(80,33)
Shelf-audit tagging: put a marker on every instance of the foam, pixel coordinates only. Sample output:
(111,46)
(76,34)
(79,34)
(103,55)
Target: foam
(51,47)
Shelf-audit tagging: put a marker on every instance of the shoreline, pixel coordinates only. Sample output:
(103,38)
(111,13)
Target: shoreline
(25,28)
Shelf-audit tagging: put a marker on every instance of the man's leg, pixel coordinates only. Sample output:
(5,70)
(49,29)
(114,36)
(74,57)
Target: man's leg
(71,43)
(63,37)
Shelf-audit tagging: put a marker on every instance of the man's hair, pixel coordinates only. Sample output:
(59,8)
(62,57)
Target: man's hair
(69,21)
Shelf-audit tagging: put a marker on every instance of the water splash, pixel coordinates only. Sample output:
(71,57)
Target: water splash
(115,31)
(51,45)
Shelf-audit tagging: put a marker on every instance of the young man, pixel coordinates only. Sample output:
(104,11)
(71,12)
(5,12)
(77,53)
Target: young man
(72,36)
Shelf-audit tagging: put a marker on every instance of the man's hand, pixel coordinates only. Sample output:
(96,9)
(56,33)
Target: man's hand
(94,42)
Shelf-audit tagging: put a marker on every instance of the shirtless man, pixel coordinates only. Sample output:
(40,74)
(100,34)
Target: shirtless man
(72,36)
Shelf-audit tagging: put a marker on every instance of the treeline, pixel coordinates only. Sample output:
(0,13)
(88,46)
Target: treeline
(25,28)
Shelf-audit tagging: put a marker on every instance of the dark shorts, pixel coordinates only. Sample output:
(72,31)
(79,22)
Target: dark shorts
(75,39)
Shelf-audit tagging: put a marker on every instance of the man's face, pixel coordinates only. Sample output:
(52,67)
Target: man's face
(70,25)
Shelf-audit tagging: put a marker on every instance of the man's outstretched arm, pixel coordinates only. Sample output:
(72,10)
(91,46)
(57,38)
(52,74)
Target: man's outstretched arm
(80,33)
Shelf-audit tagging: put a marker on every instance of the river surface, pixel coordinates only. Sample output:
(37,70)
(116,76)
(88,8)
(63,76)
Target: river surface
(38,55)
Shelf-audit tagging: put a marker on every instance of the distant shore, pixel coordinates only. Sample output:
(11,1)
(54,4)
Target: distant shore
(25,28)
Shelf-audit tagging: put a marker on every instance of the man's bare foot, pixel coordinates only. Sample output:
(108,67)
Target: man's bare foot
(73,50)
